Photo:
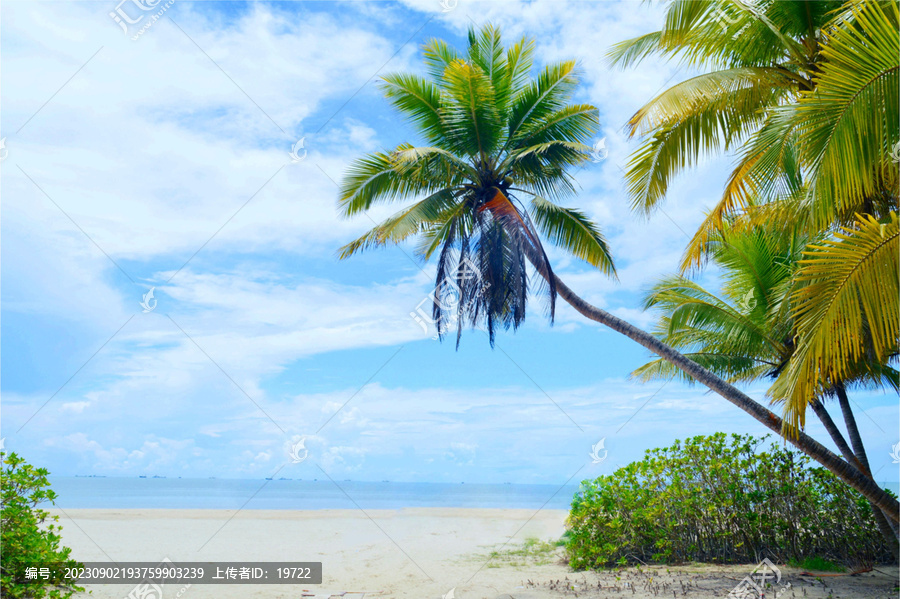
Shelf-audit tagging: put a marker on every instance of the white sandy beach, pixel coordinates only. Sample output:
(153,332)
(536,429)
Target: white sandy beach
(417,553)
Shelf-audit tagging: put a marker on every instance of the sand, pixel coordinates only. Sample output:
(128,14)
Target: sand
(405,554)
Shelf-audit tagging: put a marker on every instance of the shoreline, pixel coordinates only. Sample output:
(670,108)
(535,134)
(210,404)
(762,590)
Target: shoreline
(408,553)
(333,512)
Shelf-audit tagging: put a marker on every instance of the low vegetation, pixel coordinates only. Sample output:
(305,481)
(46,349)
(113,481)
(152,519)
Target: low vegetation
(30,536)
(816,564)
(721,499)
(532,552)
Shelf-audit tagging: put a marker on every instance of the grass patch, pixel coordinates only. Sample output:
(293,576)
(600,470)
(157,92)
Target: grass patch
(817,564)
(533,552)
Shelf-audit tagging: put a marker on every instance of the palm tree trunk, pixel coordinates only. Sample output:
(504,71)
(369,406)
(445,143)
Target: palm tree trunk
(884,526)
(842,469)
(834,432)
(856,439)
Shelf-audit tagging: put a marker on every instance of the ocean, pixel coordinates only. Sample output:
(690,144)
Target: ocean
(256,494)
(230,494)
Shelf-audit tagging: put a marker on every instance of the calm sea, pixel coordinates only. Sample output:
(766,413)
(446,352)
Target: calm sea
(189,493)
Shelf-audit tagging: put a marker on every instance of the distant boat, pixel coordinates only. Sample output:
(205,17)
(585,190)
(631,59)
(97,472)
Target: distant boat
(158,476)
(283,478)
(385,481)
(142,476)
(212,478)
(269,478)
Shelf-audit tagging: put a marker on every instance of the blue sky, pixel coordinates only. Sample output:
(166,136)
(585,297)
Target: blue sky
(164,162)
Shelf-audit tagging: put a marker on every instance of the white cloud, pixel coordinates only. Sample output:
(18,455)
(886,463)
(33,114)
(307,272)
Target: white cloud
(178,147)
(75,406)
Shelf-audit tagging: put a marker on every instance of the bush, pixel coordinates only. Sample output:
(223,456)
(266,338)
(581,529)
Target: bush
(816,564)
(714,501)
(28,535)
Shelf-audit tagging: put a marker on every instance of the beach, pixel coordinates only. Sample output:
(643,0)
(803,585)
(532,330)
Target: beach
(419,553)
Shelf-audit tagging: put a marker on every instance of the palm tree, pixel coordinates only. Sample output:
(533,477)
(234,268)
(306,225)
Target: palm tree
(759,55)
(846,309)
(807,93)
(745,333)
(499,154)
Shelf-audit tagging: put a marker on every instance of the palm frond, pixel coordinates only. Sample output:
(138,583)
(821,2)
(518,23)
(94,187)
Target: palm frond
(742,89)
(849,124)
(409,221)
(571,230)
(546,95)
(379,178)
(419,100)
(734,369)
(574,123)
(699,128)
(438,55)
(472,119)
(846,311)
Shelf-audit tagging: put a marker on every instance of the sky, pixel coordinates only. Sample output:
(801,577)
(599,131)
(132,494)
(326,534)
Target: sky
(157,154)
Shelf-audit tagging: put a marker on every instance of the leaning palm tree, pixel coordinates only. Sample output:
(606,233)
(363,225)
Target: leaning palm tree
(483,194)
(744,332)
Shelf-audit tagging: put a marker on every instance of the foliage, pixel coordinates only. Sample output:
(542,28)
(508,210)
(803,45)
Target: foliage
(746,332)
(805,94)
(497,154)
(716,499)
(29,535)
(757,56)
(816,564)
(743,332)
(846,312)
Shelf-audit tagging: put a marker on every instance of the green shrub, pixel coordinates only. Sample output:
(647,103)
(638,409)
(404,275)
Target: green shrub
(712,500)
(27,534)
(816,564)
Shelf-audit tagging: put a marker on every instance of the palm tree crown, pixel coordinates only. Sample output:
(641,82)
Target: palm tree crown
(498,154)
(746,331)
